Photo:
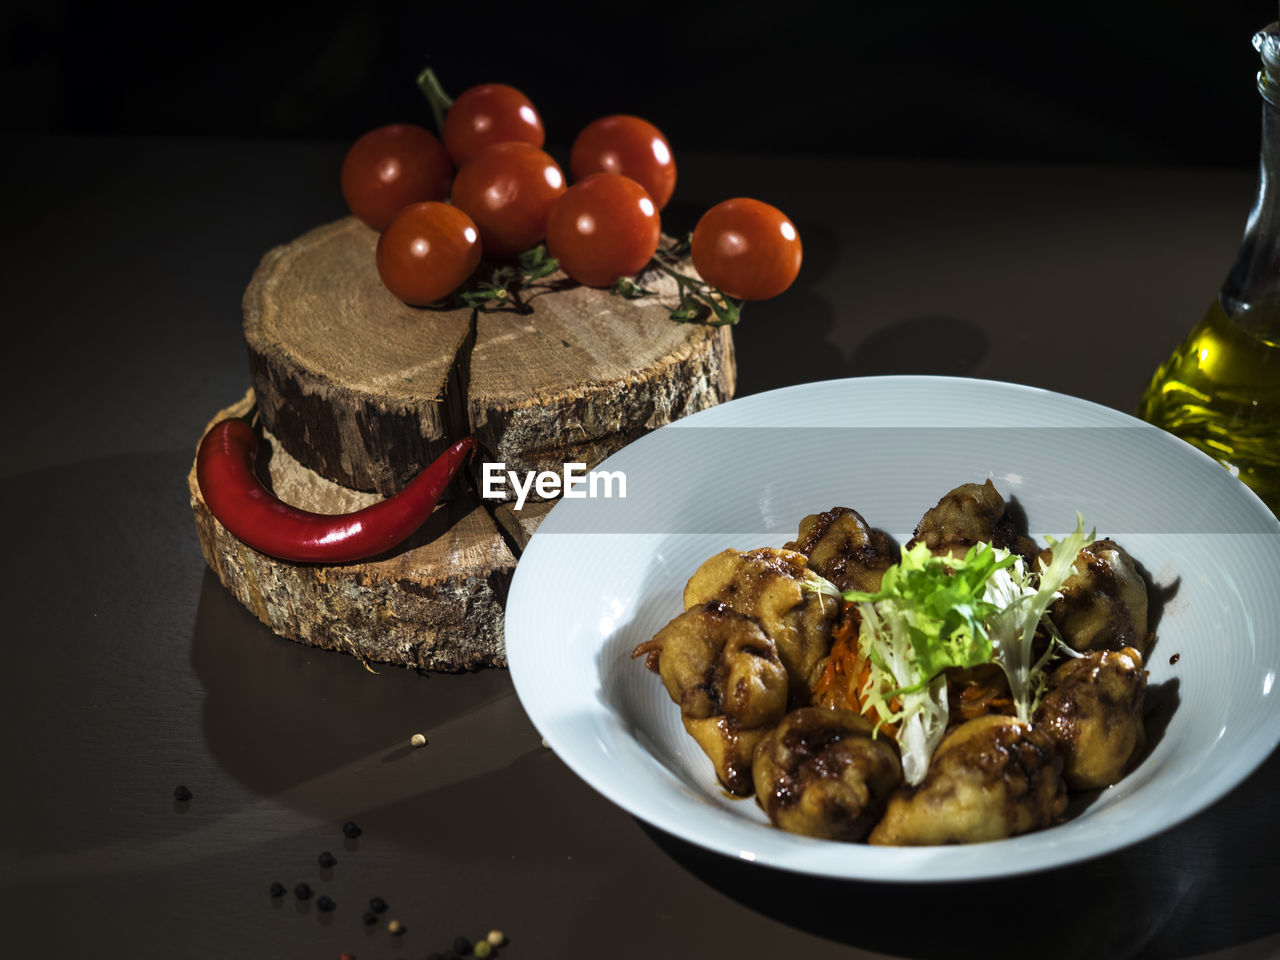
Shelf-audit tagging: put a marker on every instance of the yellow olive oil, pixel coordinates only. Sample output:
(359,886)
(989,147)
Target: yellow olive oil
(1220,391)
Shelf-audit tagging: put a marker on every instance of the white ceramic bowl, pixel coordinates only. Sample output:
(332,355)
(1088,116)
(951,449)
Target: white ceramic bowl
(602,575)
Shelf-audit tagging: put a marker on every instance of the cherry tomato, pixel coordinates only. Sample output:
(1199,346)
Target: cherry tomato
(391,167)
(603,228)
(630,146)
(487,114)
(747,249)
(508,190)
(427,252)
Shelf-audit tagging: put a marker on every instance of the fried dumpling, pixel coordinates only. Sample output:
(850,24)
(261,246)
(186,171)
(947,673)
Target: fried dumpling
(724,673)
(1104,603)
(793,605)
(823,774)
(971,513)
(990,778)
(845,549)
(1092,707)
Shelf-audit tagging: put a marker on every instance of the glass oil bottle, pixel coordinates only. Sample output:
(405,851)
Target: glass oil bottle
(1220,390)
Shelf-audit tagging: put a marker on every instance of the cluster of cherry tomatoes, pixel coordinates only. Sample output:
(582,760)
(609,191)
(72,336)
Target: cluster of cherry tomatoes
(490,190)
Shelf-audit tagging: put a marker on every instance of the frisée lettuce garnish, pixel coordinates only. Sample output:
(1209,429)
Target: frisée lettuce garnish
(1023,599)
(932,613)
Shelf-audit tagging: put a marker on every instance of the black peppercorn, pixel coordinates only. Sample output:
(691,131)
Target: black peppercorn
(325,904)
(461,946)
(378,905)
(350,830)
(278,889)
(181,793)
(302,891)
(369,918)
(327,860)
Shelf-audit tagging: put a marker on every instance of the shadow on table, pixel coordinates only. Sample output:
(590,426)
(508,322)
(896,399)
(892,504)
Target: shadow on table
(1206,885)
(791,336)
(298,723)
(927,345)
(311,732)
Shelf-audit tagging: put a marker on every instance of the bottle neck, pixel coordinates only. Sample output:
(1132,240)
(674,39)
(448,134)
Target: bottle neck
(1251,293)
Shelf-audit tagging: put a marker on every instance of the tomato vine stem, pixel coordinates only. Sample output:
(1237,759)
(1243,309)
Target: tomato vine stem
(699,301)
(437,99)
(501,287)
(504,284)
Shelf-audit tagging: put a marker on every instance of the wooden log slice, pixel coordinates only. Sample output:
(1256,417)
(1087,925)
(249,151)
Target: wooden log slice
(366,390)
(356,385)
(436,602)
(587,372)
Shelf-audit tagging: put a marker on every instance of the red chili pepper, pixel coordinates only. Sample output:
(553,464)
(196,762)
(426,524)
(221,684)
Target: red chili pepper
(235,495)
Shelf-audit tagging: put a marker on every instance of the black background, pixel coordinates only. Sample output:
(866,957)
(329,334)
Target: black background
(1092,81)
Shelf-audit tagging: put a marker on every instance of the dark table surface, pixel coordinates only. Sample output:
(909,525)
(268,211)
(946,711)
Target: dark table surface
(129,670)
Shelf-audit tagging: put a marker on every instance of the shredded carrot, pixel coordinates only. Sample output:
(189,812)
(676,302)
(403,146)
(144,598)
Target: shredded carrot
(846,672)
(832,687)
